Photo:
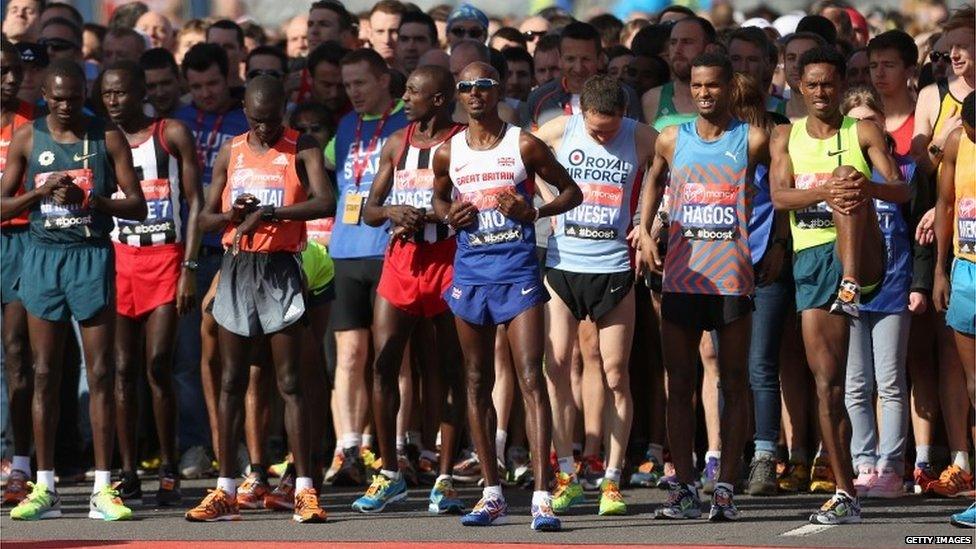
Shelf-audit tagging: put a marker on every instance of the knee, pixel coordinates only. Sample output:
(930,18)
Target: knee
(288,383)
(233,381)
(829,391)
(160,367)
(477,383)
(14,347)
(618,380)
(100,376)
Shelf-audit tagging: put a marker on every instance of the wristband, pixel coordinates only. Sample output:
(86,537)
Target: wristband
(268,213)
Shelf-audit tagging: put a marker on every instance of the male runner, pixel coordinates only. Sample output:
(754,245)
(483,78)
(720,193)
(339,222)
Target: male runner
(839,250)
(492,166)
(416,272)
(14,239)
(708,275)
(589,270)
(671,103)
(69,164)
(154,266)
(259,199)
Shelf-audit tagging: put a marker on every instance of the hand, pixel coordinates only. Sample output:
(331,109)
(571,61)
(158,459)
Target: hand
(847,194)
(461,215)
(244,205)
(650,255)
(917,303)
(407,217)
(925,231)
(633,237)
(940,292)
(771,265)
(68,193)
(53,182)
(514,206)
(186,292)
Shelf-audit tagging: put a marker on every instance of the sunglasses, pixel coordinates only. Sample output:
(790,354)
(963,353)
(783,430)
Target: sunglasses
(483,84)
(314,128)
(939,56)
(532,36)
(264,72)
(57,44)
(474,32)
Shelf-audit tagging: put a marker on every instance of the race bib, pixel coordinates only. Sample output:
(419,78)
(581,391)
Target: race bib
(708,212)
(492,225)
(159,219)
(966,225)
(597,217)
(268,186)
(352,211)
(413,188)
(65,216)
(817,216)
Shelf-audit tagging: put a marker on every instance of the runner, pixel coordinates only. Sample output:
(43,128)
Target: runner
(492,166)
(840,254)
(265,198)
(416,272)
(671,103)
(589,265)
(708,276)
(72,164)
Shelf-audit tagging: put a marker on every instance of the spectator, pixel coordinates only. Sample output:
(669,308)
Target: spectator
(296,37)
(507,37)
(415,37)
(532,29)
(20,21)
(159,30)
(122,43)
(466,23)
(384,22)
(546,60)
(230,36)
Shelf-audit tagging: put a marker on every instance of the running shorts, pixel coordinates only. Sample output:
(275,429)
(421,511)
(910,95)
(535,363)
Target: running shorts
(494,304)
(259,293)
(61,282)
(590,295)
(319,272)
(13,241)
(817,273)
(416,276)
(355,289)
(146,277)
(704,312)
(961,315)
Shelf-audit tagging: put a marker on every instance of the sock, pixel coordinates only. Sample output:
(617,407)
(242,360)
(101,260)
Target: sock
(725,485)
(338,448)
(392,475)
(401,444)
(22,463)
(960,458)
(102,478)
(613,474)
(501,437)
(429,455)
(443,477)
(923,454)
(539,497)
(46,477)
(228,485)
(567,465)
(843,493)
(302,483)
(367,440)
(493,492)
(798,454)
(352,440)
(657,452)
(717,454)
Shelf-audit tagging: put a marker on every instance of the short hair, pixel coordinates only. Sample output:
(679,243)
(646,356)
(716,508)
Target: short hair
(962,18)
(128,32)
(480,48)
(99,30)
(497,60)
(548,42)
(518,55)
(581,31)
(419,17)
(826,55)
(707,28)
(710,59)
(609,27)
(441,76)
(346,19)
(861,96)
(68,68)
(75,29)
(604,95)
(193,25)
(899,41)
(820,41)
(255,32)
(227,24)
(136,73)
(73,11)
(368,56)
(651,40)
(126,15)
(440,12)
(818,24)
(757,37)
(969,109)
(676,8)
(159,58)
(614,52)
(393,7)
(318,109)
(511,34)
(268,50)
(266,88)
(329,51)
(204,55)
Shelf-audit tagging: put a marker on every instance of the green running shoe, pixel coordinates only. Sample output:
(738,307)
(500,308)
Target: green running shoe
(40,503)
(611,500)
(568,492)
(105,504)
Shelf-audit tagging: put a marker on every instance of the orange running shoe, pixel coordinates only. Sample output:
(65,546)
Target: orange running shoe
(307,508)
(16,489)
(251,493)
(953,482)
(217,506)
(282,498)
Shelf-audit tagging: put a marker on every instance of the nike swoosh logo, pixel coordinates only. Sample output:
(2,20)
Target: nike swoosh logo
(615,290)
(529,291)
(835,153)
(77,158)
(461,167)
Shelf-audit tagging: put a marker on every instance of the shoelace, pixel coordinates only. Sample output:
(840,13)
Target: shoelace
(612,492)
(675,496)
(214,503)
(379,482)
(446,489)
(562,484)
(307,499)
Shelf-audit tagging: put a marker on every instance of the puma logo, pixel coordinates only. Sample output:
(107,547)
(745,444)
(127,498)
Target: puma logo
(734,157)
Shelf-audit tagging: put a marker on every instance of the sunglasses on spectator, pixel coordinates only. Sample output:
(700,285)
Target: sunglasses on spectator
(264,72)
(938,56)
(532,36)
(314,128)
(57,44)
(474,32)
(465,86)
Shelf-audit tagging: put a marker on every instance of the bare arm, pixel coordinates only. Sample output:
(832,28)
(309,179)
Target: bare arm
(181,143)
(133,206)
(652,194)
(375,213)
(551,133)
(456,214)
(540,160)
(11,206)
(212,219)
(649,103)
(944,205)
(926,111)
(322,202)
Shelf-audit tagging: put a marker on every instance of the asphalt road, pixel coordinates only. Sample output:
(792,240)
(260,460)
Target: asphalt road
(777,521)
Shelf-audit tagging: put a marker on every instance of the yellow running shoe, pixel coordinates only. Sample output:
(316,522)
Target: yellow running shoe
(611,500)
(106,504)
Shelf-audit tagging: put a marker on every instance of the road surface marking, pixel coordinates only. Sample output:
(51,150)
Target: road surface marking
(808,530)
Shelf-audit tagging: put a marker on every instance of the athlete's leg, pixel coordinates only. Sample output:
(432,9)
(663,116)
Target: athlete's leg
(316,385)
(405,383)
(923,373)
(352,352)
(286,352)
(680,346)
(503,392)
(709,392)
(967,354)
(860,245)
(47,341)
(210,366)
(235,355)
(128,334)
(448,365)
(257,405)
(733,362)
(795,381)
(616,336)
(160,337)
(391,332)
(18,364)
(953,391)
(593,389)
(97,341)
(478,343)
(561,335)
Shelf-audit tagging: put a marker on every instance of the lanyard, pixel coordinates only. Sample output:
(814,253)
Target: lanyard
(568,107)
(211,137)
(360,161)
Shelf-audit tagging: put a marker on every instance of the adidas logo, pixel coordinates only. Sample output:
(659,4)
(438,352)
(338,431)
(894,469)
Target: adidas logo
(281,160)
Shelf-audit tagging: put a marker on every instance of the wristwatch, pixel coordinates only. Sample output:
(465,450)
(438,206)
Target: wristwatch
(268,213)
(935,150)
(190,264)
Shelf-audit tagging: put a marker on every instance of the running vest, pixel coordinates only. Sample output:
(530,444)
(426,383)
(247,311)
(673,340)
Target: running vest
(903,136)
(159,176)
(592,237)
(708,238)
(413,183)
(358,142)
(892,296)
(965,207)
(23,115)
(271,177)
(494,249)
(89,164)
(813,162)
(667,114)
(947,103)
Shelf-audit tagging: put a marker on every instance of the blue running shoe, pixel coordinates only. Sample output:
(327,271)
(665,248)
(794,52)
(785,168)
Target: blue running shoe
(488,511)
(710,475)
(444,499)
(682,503)
(382,492)
(543,518)
(965,519)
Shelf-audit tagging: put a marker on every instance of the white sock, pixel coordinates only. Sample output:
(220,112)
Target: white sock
(539,497)
(444,477)
(960,458)
(401,444)
(228,485)
(501,438)
(567,465)
(725,485)
(392,475)
(612,473)
(352,440)
(923,454)
(657,452)
(717,454)
(102,478)
(493,492)
(367,440)
(46,477)
(302,483)
(22,463)
(429,455)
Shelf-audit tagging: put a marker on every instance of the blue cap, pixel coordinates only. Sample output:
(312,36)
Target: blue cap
(467,12)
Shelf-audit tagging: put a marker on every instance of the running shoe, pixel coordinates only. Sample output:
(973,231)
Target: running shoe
(276,470)
(723,508)
(381,492)
(216,506)
(334,467)
(840,509)
(370,461)
(196,463)
(887,485)
(965,519)
(486,512)
(822,477)
(130,488)
(444,499)
(148,465)
(953,482)
(169,493)
(866,479)
(648,472)
(543,519)
(795,478)
(568,492)
(468,470)
(611,500)
(521,466)
(40,503)
(592,472)
(407,471)
(251,493)
(16,489)
(668,478)
(353,470)
(682,503)
(307,508)
(923,476)
(848,300)
(710,474)
(106,504)
(282,498)
(762,476)
(427,468)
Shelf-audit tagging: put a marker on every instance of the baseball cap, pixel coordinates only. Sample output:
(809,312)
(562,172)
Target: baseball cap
(467,12)
(32,54)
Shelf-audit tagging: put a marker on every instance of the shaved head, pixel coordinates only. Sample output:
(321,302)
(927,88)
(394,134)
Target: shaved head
(477,70)
(265,90)
(435,56)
